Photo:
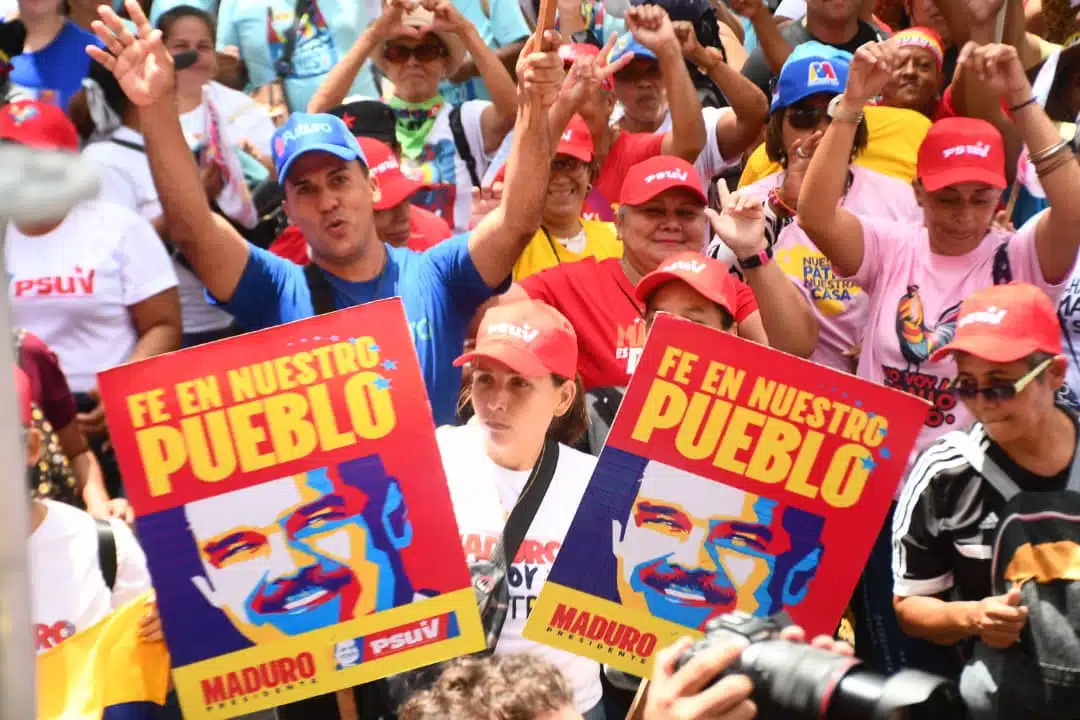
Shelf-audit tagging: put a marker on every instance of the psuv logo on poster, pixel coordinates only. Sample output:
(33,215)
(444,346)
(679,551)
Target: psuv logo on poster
(524,577)
(392,641)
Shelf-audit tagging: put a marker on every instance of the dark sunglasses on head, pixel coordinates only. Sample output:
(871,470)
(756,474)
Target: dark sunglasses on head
(423,53)
(998,390)
(805,117)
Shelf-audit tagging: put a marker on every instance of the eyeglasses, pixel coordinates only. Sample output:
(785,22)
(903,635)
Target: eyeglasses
(999,390)
(400,54)
(803,117)
(565,163)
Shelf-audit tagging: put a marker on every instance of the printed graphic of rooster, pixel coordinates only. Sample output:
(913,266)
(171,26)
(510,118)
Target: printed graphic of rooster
(917,341)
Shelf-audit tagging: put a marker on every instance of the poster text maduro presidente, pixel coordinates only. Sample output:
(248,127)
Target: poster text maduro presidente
(293,509)
(735,477)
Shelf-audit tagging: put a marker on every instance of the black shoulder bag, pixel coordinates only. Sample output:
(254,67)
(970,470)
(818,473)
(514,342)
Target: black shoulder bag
(488,578)
(461,144)
(106,551)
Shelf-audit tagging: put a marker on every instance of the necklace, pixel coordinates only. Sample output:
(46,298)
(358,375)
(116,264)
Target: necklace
(629,298)
(575,244)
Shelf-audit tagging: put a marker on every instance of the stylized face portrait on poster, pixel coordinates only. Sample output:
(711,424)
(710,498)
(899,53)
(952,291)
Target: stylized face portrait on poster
(735,478)
(293,509)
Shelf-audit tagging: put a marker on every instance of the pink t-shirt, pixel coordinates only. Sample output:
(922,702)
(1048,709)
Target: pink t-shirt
(915,298)
(840,304)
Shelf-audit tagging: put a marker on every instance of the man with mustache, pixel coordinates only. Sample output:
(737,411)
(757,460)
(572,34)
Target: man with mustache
(311,550)
(751,554)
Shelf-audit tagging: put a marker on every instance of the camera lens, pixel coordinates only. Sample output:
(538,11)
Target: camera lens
(908,695)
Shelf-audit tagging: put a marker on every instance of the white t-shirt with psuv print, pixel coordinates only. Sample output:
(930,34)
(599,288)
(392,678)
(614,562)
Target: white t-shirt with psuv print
(68,590)
(483,494)
(72,286)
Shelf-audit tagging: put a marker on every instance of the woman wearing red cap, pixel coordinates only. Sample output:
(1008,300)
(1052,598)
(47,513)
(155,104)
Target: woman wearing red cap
(529,408)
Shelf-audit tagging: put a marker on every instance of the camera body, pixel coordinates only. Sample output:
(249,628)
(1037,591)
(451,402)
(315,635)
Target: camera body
(795,681)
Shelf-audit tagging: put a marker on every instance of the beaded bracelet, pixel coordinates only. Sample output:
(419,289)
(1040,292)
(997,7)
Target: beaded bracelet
(775,199)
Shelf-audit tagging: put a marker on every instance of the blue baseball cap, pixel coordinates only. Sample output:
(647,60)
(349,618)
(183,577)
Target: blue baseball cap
(625,45)
(810,71)
(307,132)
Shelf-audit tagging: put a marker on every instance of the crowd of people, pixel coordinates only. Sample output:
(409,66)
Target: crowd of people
(884,187)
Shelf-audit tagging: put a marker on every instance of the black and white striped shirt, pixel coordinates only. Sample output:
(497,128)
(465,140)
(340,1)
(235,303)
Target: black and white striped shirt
(947,517)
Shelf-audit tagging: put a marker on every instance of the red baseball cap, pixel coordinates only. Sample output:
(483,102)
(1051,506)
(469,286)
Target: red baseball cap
(1005,323)
(958,150)
(394,187)
(576,140)
(38,125)
(22,394)
(529,337)
(708,277)
(658,174)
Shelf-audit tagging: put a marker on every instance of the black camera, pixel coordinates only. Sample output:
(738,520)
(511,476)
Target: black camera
(793,681)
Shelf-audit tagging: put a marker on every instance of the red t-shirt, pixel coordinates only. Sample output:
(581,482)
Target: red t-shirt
(48,387)
(425,230)
(598,300)
(627,151)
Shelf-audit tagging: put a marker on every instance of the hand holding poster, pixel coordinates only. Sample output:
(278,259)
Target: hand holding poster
(293,509)
(735,477)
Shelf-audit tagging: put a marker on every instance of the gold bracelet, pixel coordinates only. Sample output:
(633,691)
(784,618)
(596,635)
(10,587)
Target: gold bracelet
(1059,161)
(1059,150)
(1047,152)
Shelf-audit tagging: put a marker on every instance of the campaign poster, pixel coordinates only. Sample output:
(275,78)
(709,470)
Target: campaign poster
(735,477)
(292,505)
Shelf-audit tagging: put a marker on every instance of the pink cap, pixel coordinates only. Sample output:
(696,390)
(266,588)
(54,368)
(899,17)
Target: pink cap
(529,337)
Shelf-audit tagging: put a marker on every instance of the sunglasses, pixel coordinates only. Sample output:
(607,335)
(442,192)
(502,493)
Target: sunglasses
(804,117)
(399,54)
(999,390)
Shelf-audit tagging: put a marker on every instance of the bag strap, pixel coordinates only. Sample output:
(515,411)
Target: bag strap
(983,464)
(322,293)
(461,144)
(521,517)
(129,145)
(106,538)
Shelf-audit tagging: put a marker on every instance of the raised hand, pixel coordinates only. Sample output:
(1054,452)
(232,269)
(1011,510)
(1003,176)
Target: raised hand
(982,11)
(690,692)
(795,634)
(749,9)
(588,74)
(871,69)
(687,37)
(447,17)
(741,226)
(540,72)
(389,23)
(142,66)
(652,28)
(997,68)
(484,200)
(798,160)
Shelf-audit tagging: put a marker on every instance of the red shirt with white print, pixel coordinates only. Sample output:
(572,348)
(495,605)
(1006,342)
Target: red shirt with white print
(598,300)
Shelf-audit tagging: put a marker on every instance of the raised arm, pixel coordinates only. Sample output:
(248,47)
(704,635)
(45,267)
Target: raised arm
(498,241)
(837,232)
(998,69)
(652,28)
(737,130)
(144,69)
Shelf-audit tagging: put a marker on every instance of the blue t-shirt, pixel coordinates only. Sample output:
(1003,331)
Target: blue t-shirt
(328,30)
(505,25)
(55,72)
(440,288)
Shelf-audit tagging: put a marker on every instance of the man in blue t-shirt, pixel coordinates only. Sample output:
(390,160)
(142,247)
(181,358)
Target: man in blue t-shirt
(328,197)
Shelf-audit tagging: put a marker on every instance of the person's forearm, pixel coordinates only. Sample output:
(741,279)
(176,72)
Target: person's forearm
(1039,132)
(527,168)
(507,55)
(957,21)
(161,338)
(687,123)
(826,177)
(90,479)
(774,46)
(499,83)
(728,18)
(335,87)
(789,323)
(188,217)
(570,20)
(940,622)
(749,104)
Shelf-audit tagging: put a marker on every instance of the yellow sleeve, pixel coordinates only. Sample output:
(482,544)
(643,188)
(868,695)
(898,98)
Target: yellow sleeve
(895,135)
(104,666)
(758,166)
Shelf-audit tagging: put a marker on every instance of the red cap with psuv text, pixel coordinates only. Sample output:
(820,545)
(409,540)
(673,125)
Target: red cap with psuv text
(38,125)
(658,174)
(22,395)
(394,187)
(576,141)
(1005,323)
(709,277)
(529,337)
(958,150)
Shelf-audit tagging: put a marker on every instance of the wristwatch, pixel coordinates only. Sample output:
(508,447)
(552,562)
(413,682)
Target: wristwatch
(762,257)
(838,113)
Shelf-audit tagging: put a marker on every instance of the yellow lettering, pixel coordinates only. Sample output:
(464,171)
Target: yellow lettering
(712,374)
(876,431)
(668,362)
(686,366)
(846,477)
(663,409)
(736,440)
(370,409)
(326,427)
(771,459)
(855,424)
(147,408)
(162,452)
(688,441)
(209,446)
(291,434)
(248,437)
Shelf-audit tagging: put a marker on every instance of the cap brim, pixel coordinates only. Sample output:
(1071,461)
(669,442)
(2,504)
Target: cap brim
(335,150)
(514,357)
(956,175)
(575,152)
(991,349)
(394,193)
(647,194)
(778,104)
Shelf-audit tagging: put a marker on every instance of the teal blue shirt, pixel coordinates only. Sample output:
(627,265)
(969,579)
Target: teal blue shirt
(505,26)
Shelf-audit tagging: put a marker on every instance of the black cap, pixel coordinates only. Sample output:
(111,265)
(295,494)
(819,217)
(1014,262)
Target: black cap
(369,118)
